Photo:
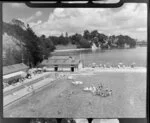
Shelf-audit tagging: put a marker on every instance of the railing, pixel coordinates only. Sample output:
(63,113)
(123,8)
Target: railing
(25,84)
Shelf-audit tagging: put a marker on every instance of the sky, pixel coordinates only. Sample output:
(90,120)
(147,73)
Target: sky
(129,19)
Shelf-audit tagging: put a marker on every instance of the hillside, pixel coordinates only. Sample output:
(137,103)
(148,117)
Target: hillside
(10,42)
(64,47)
(10,50)
(21,44)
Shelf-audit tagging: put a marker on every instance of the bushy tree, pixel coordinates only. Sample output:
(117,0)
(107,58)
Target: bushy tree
(76,38)
(122,40)
(87,35)
(83,43)
(47,46)
(54,39)
(34,47)
(94,34)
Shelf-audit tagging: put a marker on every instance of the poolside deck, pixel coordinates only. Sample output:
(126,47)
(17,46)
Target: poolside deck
(63,99)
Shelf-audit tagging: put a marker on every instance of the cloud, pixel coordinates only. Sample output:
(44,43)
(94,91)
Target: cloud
(32,24)
(33,17)
(17,5)
(141,29)
(38,13)
(130,19)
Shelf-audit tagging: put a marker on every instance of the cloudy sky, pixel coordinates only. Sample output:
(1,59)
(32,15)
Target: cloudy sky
(130,19)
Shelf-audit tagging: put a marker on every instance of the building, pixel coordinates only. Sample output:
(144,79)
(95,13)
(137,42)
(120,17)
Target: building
(13,72)
(62,63)
(141,43)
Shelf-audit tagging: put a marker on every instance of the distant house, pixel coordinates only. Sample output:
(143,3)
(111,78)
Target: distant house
(62,63)
(13,72)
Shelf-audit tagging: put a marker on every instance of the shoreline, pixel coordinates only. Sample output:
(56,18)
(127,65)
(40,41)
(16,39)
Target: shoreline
(126,69)
(80,49)
(66,50)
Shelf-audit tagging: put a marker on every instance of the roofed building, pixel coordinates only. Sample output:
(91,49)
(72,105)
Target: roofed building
(62,63)
(13,72)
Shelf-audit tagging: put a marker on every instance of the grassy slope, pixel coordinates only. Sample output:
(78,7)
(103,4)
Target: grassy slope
(63,47)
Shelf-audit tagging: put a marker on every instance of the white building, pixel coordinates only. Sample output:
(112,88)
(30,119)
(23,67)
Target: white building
(62,63)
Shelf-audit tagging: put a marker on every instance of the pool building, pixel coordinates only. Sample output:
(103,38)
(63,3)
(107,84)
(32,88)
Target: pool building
(62,63)
(13,73)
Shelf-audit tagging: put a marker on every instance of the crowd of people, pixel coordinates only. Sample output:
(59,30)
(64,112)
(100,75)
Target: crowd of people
(99,90)
(119,65)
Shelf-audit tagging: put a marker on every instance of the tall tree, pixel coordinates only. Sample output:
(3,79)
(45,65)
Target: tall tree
(94,34)
(87,35)
(33,45)
(47,46)
(63,40)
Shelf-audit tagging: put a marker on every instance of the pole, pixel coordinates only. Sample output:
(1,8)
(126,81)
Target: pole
(81,59)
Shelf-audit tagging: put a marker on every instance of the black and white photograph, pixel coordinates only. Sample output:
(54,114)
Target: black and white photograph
(74,62)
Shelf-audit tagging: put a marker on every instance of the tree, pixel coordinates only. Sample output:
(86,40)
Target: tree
(54,39)
(33,45)
(95,41)
(102,38)
(63,40)
(66,35)
(94,34)
(83,43)
(122,40)
(47,46)
(87,35)
(76,38)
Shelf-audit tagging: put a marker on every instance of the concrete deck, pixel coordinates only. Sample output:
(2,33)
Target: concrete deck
(61,98)
(12,88)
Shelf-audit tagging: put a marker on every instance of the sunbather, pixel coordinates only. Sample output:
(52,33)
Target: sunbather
(108,92)
(100,86)
(93,89)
